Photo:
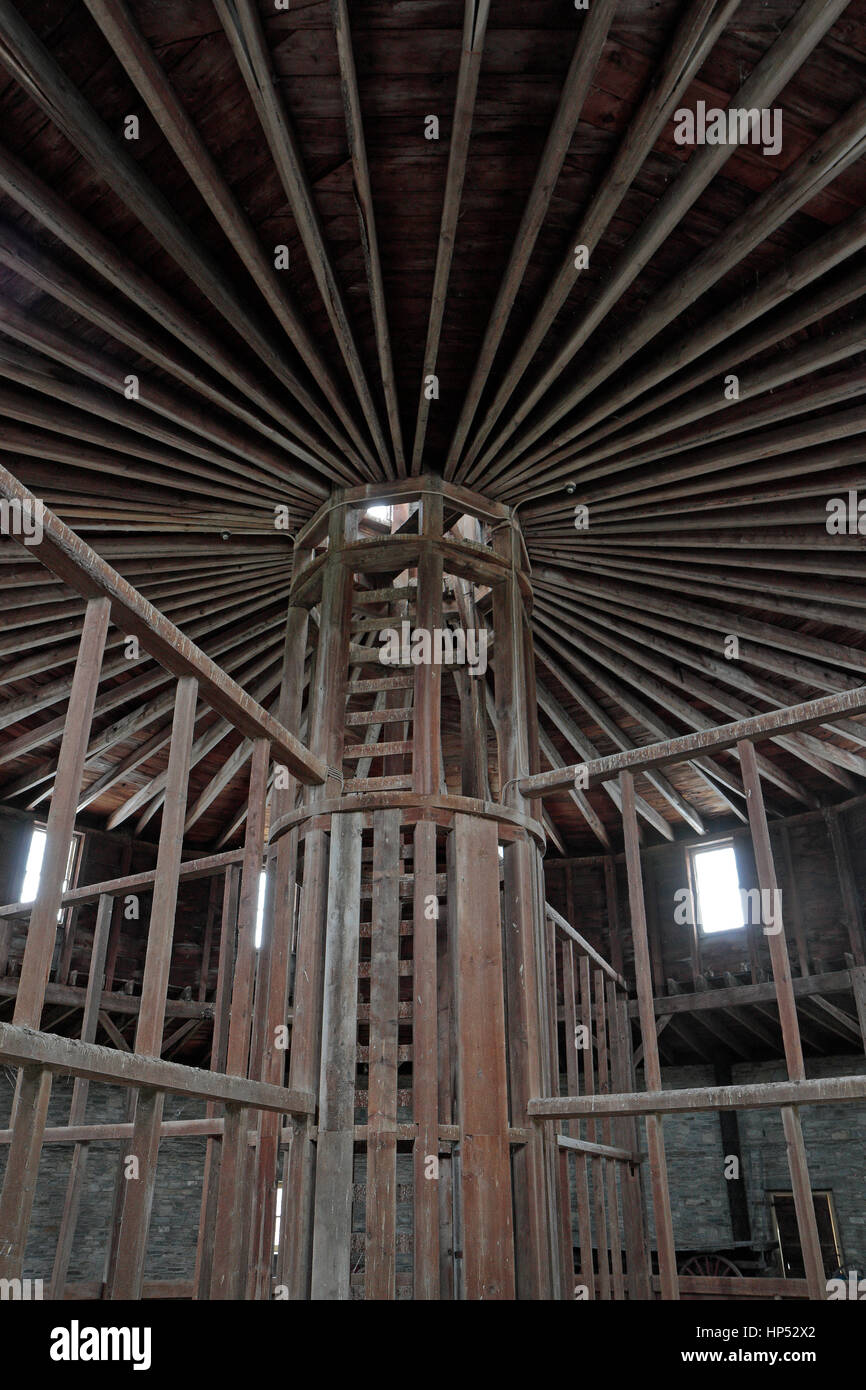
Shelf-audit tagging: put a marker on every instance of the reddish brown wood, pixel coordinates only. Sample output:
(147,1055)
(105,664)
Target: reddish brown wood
(480,1063)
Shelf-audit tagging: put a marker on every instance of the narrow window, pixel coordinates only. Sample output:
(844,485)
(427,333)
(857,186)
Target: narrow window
(716,885)
(33,867)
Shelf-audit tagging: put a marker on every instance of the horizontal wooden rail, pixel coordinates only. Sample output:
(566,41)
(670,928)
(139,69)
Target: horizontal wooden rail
(110,1003)
(730,1287)
(20,1047)
(72,560)
(734,996)
(583,945)
(584,1146)
(116,887)
(677,750)
(765,1095)
(101,1133)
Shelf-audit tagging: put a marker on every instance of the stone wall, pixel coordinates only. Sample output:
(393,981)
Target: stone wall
(174,1224)
(835,1139)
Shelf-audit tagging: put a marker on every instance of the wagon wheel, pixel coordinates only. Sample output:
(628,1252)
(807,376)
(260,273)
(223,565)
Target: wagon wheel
(710,1267)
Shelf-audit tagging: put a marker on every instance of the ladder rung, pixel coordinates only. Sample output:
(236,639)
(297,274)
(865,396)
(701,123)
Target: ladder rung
(374,624)
(369,717)
(404,967)
(369,656)
(404,1011)
(404,1053)
(378,784)
(407,926)
(377,750)
(407,886)
(368,687)
(394,593)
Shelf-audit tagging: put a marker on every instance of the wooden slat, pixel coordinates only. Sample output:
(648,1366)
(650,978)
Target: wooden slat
(138,1197)
(774,930)
(333,1202)
(652,1070)
(480,1062)
(78,1105)
(72,560)
(61,818)
(381,1214)
(425,1081)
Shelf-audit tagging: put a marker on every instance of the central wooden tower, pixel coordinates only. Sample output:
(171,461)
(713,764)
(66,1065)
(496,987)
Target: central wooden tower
(422,1001)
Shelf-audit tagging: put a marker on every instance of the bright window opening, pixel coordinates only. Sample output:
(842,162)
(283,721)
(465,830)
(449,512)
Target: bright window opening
(279,1213)
(33,867)
(260,911)
(380,514)
(718,905)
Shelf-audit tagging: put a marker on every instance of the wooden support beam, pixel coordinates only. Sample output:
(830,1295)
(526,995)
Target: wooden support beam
(765,1095)
(475,929)
(704,741)
(73,561)
(380,1261)
(643,972)
(245,32)
(475,16)
(42,930)
(807,1223)
(333,1200)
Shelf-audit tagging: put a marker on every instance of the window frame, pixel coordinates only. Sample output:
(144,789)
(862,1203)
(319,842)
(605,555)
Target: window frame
(692,852)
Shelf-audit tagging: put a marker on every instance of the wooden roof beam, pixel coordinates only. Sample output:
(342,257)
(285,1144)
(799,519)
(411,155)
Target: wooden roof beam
(475,16)
(584,62)
(245,33)
(36,71)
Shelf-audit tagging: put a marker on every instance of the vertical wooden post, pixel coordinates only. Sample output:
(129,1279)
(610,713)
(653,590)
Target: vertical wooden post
(428,677)
(596,1163)
(78,1106)
(652,1070)
(425,1079)
(326,711)
(42,932)
(581,1170)
(219,1048)
(625,1131)
(381,1245)
(481,1077)
(278,927)
(138,1193)
(775,931)
(530,1044)
(233,1206)
(31,1110)
(851,907)
(613,1232)
(332,1230)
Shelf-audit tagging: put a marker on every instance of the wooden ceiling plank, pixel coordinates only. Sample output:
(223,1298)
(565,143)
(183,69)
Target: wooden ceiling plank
(245,33)
(585,59)
(774,70)
(117,23)
(48,275)
(363,194)
(701,25)
(87,242)
(577,693)
(635,662)
(706,768)
(36,71)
